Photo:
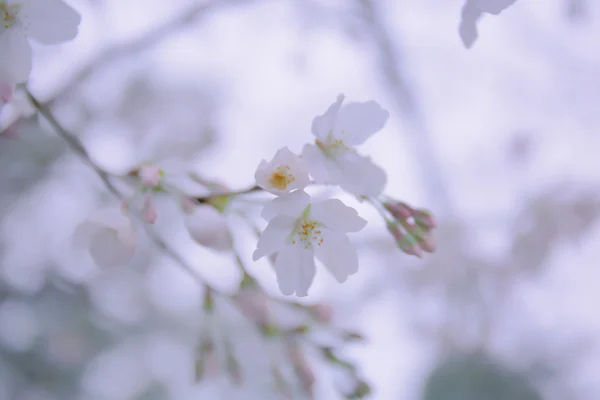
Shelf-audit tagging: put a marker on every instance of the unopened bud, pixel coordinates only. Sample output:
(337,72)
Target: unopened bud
(399,210)
(149,213)
(425,219)
(406,242)
(427,241)
(6,92)
(150,176)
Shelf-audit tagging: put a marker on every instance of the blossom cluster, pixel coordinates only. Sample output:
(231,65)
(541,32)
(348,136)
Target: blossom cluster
(300,229)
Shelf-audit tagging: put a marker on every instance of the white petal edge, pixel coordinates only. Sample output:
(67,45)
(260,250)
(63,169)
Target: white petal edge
(291,205)
(359,121)
(337,216)
(338,255)
(274,237)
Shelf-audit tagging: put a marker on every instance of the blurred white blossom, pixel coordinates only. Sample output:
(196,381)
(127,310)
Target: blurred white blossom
(333,158)
(208,227)
(45,21)
(109,236)
(298,231)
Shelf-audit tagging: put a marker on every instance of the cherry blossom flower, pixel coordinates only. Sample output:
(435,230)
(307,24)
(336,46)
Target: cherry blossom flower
(109,236)
(207,226)
(333,158)
(298,231)
(44,21)
(284,173)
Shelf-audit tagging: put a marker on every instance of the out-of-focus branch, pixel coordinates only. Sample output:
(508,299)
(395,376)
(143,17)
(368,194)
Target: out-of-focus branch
(141,43)
(390,61)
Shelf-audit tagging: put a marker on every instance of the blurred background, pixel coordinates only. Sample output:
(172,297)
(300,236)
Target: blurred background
(499,141)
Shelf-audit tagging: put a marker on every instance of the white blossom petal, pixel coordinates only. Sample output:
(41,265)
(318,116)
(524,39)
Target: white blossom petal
(51,21)
(338,255)
(361,176)
(208,227)
(108,250)
(291,204)
(337,216)
(274,237)
(295,269)
(15,64)
(284,173)
(323,125)
(356,122)
(323,169)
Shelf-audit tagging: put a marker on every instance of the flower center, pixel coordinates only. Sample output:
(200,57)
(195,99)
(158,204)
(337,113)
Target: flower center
(281,177)
(307,231)
(8,14)
(332,147)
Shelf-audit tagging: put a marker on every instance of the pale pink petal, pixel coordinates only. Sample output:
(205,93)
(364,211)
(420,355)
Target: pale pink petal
(295,269)
(291,205)
(323,125)
(337,216)
(274,237)
(359,121)
(361,176)
(338,255)
(323,169)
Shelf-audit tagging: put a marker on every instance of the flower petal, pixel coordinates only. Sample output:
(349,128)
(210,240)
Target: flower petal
(287,167)
(322,168)
(15,65)
(295,269)
(338,255)
(323,125)
(358,121)
(274,237)
(337,216)
(361,176)
(51,21)
(108,250)
(291,205)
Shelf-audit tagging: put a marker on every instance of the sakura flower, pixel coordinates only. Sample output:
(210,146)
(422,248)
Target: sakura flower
(284,173)
(44,21)
(298,231)
(109,236)
(6,93)
(333,158)
(208,227)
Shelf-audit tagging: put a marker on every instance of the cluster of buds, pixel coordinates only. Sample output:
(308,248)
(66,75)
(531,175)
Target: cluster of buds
(412,228)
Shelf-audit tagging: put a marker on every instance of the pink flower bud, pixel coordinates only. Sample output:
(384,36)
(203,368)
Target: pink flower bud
(6,92)
(188,205)
(427,242)
(399,210)
(149,176)
(425,219)
(149,210)
(406,242)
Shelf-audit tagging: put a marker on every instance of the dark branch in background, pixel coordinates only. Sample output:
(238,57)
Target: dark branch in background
(390,61)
